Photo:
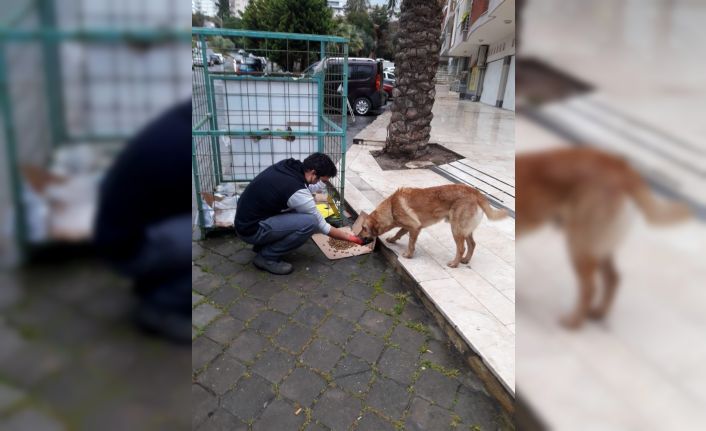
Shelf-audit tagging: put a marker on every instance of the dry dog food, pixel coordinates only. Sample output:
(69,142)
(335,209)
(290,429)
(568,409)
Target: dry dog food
(338,244)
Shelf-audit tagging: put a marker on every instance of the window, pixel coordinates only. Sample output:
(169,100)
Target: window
(334,71)
(361,71)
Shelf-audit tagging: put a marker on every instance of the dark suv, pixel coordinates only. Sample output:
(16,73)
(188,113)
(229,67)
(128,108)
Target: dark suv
(365,89)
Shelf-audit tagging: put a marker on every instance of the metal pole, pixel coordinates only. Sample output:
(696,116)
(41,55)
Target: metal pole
(52,73)
(321,96)
(344,120)
(215,145)
(11,154)
(197,186)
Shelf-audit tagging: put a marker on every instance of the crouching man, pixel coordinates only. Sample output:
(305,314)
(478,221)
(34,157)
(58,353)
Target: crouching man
(277,212)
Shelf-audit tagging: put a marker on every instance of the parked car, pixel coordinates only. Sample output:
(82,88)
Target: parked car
(216,58)
(388,86)
(386,64)
(197,57)
(389,80)
(250,64)
(365,87)
(198,61)
(246,68)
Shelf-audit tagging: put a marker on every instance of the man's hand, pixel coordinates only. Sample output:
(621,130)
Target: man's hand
(347,236)
(355,239)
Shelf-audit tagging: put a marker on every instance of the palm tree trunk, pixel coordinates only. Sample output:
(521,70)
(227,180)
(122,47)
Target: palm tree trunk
(416,62)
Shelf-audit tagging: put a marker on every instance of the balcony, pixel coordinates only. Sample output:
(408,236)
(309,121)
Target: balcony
(488,21)
(446,44)
(478,8)
(447,34)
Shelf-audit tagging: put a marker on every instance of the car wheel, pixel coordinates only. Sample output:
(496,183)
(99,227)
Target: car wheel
(362,105)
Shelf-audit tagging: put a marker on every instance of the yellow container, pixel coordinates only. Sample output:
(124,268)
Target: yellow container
(325,209)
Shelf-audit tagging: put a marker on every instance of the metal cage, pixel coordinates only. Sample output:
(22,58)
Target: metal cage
(79,74)
(274,96)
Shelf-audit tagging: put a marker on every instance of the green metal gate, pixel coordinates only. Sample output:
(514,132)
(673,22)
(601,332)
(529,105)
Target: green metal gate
(276,96)
(79,74)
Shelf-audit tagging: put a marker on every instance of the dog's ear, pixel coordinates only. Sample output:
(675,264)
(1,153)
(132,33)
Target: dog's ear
(371,228)
(358,225)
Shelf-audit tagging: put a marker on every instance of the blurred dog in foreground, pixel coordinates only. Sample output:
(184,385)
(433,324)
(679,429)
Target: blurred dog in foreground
(586,192)
(412,209)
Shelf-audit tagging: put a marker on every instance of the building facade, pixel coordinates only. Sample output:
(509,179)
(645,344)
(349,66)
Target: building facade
(206,7)
(337,6)
(479,46)
(237,7)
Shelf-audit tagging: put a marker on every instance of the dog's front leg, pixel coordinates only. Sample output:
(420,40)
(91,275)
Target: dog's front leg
(413,234)
(398,235)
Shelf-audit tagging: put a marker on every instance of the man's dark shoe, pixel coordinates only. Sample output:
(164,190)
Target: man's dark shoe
(278,268)
(170,324)
(256,248)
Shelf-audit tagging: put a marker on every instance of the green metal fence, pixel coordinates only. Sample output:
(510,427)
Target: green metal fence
(79,74)
(275,96)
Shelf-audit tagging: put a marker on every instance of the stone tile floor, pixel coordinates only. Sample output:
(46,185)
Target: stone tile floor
(477,299)
(70,358)
(338,345)
(647,337)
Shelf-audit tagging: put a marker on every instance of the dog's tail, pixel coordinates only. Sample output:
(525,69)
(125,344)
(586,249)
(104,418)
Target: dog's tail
(489,211)
(657,212)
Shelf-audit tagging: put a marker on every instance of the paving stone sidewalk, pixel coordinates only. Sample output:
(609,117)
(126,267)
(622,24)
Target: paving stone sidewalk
(336,345)
(71,358)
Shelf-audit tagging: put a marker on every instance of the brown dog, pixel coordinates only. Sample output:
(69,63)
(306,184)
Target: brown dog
(412,209)
(586,192)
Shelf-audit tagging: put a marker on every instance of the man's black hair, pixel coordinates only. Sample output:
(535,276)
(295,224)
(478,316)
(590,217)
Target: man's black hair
(322,164)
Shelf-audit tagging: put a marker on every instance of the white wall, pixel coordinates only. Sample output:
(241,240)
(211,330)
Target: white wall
(491,82)
(509,97)
(502,48)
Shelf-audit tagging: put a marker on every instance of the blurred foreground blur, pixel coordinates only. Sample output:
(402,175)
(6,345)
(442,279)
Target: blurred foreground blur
(622,77)
(78,80)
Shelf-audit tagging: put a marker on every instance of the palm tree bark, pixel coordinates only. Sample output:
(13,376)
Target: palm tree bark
(416,62)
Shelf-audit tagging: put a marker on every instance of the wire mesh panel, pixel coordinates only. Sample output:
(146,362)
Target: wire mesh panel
(260,98)
(264,105)
(77,79)
(111,87)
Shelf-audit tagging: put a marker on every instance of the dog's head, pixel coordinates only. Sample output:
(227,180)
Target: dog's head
(367,226)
